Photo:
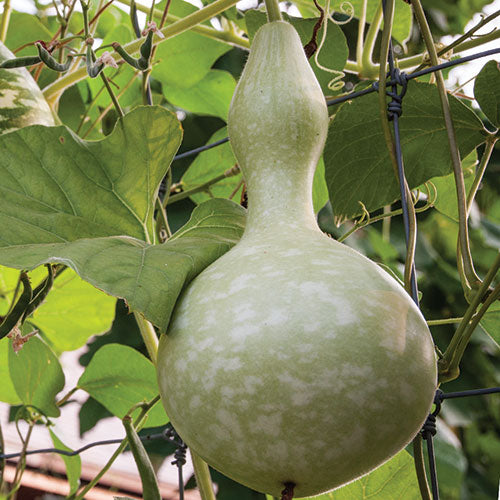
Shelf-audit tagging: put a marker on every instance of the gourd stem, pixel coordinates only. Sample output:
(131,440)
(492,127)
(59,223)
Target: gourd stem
(53,91)
(148,334)
(203,480)
(463,232)
(418,457)
(273,11)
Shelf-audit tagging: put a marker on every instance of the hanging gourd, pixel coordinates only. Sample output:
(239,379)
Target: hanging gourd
(21,101)
(292,361)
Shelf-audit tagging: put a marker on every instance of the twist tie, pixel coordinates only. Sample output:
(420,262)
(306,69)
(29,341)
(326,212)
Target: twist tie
(395,108)
(429,428)
(171,435)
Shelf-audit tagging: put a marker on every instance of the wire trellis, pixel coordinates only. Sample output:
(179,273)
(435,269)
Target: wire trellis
(396,79)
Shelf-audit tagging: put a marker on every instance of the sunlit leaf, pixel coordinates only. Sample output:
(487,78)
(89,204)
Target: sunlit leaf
(119,377)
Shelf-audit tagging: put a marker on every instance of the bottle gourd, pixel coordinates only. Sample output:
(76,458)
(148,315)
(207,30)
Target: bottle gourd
(292,358)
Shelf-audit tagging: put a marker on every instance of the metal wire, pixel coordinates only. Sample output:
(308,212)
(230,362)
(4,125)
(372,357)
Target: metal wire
(360,93)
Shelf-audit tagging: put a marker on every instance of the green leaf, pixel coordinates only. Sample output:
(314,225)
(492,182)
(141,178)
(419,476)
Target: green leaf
(37,376)
(446,201)
(8,393)
(148,277)
(185,59)
(357,164)
(73,464)
(487,91)
(490,322)
(319,190)
(210,96)
(73,311)
(333,54)
(119,377)
(57,188)
(210,164)
(395,480)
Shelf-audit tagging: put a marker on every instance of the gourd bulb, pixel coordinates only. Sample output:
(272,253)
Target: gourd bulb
(292,358)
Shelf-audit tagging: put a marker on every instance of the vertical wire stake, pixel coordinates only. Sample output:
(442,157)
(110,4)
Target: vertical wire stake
(179,455)
(428,432)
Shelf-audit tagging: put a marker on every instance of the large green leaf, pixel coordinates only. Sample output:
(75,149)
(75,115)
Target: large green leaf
(210,96)
(333,54)
(395,480)
(119,377)
(37,375)
(73,311)
(357,164)
(58,188)
(149,277)
(487,91)
(73,464)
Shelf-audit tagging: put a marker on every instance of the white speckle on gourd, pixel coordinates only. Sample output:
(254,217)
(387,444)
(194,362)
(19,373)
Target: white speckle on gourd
(319,365)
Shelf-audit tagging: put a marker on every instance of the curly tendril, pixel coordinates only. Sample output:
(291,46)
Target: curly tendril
(336,83)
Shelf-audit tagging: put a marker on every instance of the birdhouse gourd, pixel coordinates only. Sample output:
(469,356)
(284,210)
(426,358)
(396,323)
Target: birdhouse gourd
(292,359)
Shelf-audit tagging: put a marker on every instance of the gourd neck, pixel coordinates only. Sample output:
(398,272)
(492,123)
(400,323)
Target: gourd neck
(279,199)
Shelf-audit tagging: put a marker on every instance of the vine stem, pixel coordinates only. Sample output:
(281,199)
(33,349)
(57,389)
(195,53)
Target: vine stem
(445,321)
(420,59)
(203,480)
(365,65)
(137,424)
(149,336)
(361,31)
(463,233)
(224,36)
(53,92)
(418,455)
(4,23)
(448,364)
(273,11)
(203,187)
(490,144)
(201,470)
